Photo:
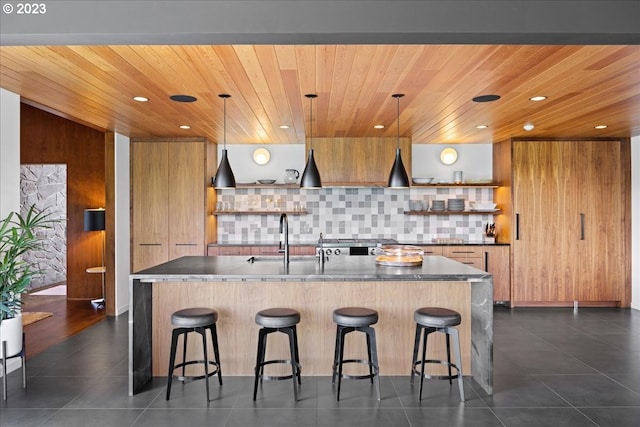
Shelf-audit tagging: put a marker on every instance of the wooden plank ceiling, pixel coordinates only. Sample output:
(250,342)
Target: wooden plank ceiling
(585,85)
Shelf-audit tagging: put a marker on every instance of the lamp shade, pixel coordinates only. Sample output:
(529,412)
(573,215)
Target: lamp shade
(224,177)
(94,219)
(398,177)
(311,176)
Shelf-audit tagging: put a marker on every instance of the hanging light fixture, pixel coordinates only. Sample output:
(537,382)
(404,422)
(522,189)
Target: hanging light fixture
(398,177)
(311,176)
(224,177)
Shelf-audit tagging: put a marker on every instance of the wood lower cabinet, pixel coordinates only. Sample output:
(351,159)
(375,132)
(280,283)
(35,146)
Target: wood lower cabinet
(469,255)
(568,221)
(170,198)
(497,262)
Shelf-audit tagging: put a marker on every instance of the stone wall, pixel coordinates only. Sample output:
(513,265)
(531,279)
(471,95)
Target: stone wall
(46,187)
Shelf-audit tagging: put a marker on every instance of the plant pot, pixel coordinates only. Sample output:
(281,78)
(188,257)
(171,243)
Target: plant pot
(11,332)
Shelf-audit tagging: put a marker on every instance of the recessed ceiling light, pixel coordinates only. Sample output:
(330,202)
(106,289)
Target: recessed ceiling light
(486,98)
(600,127)
(284,126)
(378,126)
(183,98)
(537,98)
(482,126)
(140,98)
(528,127)
(185,127)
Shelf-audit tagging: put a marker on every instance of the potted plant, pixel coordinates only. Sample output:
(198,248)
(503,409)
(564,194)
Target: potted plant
(18,234)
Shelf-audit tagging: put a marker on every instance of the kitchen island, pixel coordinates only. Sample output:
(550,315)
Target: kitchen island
(239,286)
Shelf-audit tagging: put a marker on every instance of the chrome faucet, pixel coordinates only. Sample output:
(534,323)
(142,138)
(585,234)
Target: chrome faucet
(320,251)
(284,226)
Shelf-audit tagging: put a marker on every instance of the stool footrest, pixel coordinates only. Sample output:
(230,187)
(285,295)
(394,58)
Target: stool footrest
(187,378)
(278,377)
(358,377)
(437,377)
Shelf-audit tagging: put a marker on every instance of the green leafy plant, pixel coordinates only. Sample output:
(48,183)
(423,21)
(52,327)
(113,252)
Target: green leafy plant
(18,234)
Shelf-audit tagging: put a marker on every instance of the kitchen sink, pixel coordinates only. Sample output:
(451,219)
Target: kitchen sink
(280,258)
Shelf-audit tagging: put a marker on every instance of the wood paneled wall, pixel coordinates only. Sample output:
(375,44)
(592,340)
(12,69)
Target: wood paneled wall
(47,139)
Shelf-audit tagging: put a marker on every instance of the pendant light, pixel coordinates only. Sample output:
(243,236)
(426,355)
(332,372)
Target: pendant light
(311,176)
(398,177)
(224,177)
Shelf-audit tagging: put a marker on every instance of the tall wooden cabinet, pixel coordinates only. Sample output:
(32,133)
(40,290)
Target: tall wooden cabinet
(568,218)
(171,199)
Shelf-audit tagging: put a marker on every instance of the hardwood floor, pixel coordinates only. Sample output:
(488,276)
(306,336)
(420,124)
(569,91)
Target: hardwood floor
(69,318)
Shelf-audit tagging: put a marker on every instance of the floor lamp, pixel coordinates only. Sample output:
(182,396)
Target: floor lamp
(94,220)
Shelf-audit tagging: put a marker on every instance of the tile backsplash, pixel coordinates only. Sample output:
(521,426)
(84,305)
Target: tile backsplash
(338,212)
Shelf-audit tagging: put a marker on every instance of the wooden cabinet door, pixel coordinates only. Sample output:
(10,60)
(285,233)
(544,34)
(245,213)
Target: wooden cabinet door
(544,204)
(149,199)
(497,263)
(186,198)
(601,212)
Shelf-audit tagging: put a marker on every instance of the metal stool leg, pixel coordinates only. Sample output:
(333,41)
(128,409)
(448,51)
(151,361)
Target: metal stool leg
(292,349)
(262,337)
(343,332)
(202,332)
(446,331)
(375,368)
(172,358)
(295,340)
(456,346)
(369,356)
(214,339)
(416,345)
(336,354)
(424,357)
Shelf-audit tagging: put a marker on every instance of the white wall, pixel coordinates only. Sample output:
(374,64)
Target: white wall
(122,231)
(635,222)
(9,152)
(9,165)
(283,156)
(475,161)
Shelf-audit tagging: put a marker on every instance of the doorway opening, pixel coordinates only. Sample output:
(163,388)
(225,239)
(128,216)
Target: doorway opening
(45,186)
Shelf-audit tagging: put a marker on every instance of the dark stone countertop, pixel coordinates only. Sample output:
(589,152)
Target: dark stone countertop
(305,268)
(314,243)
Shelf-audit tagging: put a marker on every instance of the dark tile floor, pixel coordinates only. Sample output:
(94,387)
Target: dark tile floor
(552,368)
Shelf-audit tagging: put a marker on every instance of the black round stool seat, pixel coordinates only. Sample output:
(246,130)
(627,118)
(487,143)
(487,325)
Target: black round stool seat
(278,317)
(355,316)
(194,317)
(437,317)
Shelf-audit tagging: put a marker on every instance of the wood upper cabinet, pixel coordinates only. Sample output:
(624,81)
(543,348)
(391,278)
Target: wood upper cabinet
(570,222)
(149,203)
(170,198)
(358,161)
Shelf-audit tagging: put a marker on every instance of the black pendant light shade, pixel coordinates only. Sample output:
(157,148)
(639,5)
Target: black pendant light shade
(398,177)
(311,176)
(224,177)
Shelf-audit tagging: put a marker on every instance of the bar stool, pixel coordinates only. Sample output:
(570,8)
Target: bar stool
(194,320)
(350,319)
(277,320)
(436,319)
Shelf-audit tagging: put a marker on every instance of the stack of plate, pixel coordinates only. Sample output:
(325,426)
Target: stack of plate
(455,205)
(437,205)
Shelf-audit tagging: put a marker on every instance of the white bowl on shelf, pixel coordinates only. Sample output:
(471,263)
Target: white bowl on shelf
(483,206)
(422,180)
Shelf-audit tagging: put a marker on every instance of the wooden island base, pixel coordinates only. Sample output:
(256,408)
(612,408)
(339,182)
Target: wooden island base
(237,304)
